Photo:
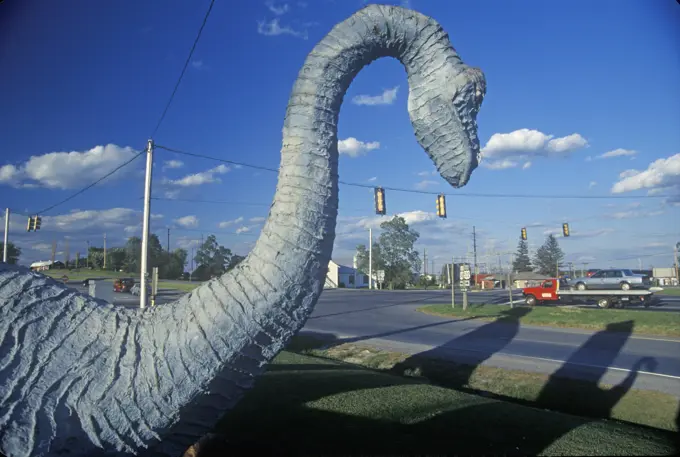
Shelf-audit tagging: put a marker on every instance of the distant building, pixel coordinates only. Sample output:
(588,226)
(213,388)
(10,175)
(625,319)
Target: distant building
(340,276)
(47,265)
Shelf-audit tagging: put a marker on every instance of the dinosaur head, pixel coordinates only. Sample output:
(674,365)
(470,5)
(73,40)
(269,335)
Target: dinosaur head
(445,120)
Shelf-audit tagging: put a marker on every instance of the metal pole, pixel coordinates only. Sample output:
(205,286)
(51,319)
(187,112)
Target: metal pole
(105,251)
(87,261)
(5,247)
(453,287)
(145,224)
(370,258)
(512,305)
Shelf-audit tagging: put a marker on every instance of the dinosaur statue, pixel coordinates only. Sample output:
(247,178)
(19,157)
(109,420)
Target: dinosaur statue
(81,377)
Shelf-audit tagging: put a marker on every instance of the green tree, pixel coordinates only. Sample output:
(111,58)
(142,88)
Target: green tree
(13,252)
(212,259)
(115,258)
(522,262)
(96,257)
(549,256)
(362,258)
(133,254)
(235,260)
(398,256)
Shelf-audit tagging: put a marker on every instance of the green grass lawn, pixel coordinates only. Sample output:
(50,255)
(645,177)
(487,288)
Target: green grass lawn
(186,287)
(577,397)
(84,274)
(309,405)
(645,322)
(675,291)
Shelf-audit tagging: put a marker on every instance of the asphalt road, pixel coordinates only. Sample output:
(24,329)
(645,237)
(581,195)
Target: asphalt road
(389,320)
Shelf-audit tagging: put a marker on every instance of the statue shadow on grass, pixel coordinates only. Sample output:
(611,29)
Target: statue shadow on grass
(291,409)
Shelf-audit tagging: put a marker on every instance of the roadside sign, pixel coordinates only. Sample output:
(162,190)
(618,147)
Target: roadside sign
(380,275)
(464,283)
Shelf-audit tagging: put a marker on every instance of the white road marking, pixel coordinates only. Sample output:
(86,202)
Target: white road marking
(565,362)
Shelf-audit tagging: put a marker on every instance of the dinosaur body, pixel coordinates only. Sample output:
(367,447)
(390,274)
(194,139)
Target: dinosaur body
(80,377)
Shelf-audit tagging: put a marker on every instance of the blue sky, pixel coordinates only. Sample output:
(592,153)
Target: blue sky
(581,100)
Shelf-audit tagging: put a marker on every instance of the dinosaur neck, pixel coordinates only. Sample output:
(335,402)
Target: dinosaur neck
(299,234)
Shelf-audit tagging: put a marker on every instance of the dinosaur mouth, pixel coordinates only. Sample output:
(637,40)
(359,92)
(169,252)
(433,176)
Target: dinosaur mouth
(467,104)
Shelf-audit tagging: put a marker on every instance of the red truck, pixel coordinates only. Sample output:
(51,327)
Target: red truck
(557,290)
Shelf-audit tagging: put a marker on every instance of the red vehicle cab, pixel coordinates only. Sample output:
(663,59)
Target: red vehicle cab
(547,291)
(123,284)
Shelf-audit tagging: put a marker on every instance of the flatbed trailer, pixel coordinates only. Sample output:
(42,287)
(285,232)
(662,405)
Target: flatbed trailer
(549,291)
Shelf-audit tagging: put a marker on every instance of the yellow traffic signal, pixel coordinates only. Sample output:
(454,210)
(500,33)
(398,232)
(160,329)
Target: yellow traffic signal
(36,222)
(524,233)
(380,207)
(565,229)
(29,227)
(441,205)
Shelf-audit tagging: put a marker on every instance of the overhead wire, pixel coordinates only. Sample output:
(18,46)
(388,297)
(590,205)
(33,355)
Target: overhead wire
(417,191)
(127,162)
(184,69)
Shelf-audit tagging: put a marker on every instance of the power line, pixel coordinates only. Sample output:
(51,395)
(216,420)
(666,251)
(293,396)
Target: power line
(425,192)
(91,185)
(184,69)
(203,156)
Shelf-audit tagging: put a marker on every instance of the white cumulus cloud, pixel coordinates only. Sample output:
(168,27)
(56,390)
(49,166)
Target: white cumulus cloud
(225,224)
(277,9)
(617,153)
(354,148)
(67,170)
(172,164)
(187,221)
(660,175)
(274,28)
(508,150)
(386,98)
(197,179)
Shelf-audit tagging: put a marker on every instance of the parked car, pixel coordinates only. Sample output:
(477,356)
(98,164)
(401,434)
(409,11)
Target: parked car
(136,289)
(622,279)
(123,284)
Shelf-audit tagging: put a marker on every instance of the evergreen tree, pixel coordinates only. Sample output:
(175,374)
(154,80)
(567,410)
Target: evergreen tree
(549,256)
(522,260)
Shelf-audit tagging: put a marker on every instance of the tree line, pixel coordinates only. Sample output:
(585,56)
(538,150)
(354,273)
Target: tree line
(211,258)
(546,261)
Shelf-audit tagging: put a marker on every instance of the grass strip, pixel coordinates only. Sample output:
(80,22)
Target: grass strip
(306,405)
(660,323)
(583,398)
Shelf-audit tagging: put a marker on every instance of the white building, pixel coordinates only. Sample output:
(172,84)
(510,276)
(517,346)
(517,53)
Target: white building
(42,265)
(340,276)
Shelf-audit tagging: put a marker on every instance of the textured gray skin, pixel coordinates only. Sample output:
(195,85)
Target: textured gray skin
(81,377)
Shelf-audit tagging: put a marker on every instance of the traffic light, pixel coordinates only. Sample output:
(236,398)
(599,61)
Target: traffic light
(37,220)
(29,227)
(441,205)
(380,207)
(524,233)
(565,229)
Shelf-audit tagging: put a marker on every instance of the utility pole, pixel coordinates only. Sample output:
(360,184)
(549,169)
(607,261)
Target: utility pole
(453,287)
(145,224)
(370,258)
(77,259)
(105,251)
(424,261)
(168,240)
(675,260)
(54,250)
(67,256)
(474,247)
(5,246)
(87,259)
(432,269)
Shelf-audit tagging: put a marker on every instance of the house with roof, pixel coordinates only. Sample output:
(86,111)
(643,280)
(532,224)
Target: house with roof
(43,265)
(341,276)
